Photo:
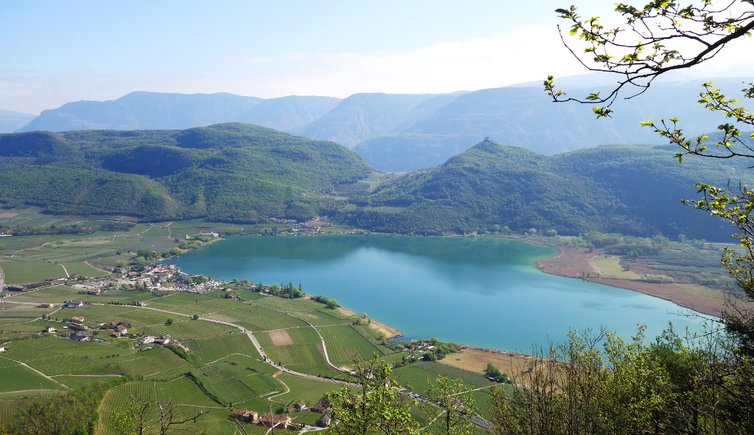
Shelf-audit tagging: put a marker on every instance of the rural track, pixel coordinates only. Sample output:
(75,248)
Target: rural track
(256,344)
(261,352)
(95,267)
(276,376)
(324,348)
(38,372)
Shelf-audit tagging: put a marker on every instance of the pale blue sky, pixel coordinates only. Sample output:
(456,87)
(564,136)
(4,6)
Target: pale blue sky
(55,51)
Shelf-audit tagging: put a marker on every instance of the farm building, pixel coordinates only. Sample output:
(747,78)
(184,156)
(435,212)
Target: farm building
(297,406)
(275,420)
(245,415)
(79,336)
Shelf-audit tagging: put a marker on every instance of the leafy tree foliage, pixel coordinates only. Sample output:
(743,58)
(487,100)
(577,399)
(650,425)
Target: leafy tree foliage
(659,37)
(328,302)
(495,374)
(139,416)
(376,408)
(70,413)
(449,394)
(673,36)
(597,383)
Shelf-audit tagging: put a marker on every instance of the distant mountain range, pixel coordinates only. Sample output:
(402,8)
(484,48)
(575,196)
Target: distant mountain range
(244,173)
(396,132)
(152,110)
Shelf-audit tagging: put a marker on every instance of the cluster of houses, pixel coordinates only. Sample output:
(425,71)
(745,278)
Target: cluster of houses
(169,278)
(119,329)
(79,331)
(282,421)
(313,226)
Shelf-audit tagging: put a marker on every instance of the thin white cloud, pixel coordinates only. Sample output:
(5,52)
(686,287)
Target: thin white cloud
(465,65)
(525,55)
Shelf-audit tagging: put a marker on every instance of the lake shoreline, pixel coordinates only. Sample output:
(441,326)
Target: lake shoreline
(574,263)
(388,330)
(443,268)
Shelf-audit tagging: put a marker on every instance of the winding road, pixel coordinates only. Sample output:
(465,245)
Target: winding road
(281,369)
(259,347)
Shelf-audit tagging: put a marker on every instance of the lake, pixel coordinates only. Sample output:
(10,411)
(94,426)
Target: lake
(480,291)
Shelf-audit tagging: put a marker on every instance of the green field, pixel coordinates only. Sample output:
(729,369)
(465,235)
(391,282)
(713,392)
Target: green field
(17,377)
(344,344)
(21,272)
(221,368)
(213,349)
(181,392)
(419,377)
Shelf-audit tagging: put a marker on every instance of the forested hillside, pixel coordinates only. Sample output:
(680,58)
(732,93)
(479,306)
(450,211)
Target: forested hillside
(227,172)
(626,189)
(245,173)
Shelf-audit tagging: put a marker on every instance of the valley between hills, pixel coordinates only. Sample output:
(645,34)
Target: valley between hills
(89,218)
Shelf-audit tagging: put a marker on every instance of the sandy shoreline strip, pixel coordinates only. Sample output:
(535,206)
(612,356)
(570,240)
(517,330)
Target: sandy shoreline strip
(574,263)
(389,331)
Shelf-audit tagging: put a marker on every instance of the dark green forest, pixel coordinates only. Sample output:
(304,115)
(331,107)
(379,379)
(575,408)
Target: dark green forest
(244,173)
(627,189)
(225,172)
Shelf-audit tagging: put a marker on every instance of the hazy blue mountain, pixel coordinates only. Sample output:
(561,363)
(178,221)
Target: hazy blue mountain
(144,110)
(363,116)
(11,121)
(526,116)
(288,114)
(406,152)
(630,189)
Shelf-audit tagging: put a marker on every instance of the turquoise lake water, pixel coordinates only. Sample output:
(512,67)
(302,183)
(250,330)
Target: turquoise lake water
(478,291)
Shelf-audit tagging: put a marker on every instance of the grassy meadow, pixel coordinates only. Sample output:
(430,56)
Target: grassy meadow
(219,369)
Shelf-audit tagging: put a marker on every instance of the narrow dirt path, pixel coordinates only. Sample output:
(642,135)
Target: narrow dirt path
(36,371)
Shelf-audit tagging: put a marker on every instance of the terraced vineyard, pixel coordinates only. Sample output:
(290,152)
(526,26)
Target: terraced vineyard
(222,368)
(212,364)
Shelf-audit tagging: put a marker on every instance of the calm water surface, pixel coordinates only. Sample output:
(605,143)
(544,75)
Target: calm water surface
(480,291)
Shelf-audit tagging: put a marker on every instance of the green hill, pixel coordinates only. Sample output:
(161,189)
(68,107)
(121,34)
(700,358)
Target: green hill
(626,189)
(245,173)
(228,172)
